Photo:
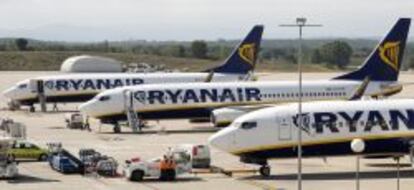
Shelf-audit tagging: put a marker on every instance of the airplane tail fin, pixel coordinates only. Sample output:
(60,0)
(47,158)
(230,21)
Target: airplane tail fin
(384,62)
(243,58)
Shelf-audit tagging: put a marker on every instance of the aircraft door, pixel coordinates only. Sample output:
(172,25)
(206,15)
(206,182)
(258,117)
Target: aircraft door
(36,86)
(129,97)
(284,126)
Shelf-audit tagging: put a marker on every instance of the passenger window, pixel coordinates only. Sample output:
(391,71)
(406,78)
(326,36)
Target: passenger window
(104,98)
(248,125)
(23,86)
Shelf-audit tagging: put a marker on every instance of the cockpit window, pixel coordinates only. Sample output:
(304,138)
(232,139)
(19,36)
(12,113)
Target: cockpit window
(104,98)
(21,86)
(248,125)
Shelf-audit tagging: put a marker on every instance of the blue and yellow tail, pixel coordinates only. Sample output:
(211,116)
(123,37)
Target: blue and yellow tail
(243,58)
(384,63)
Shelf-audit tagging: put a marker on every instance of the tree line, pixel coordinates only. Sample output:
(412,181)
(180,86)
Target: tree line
(333,54)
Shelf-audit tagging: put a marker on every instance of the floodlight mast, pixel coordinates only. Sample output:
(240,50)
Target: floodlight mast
(300,23)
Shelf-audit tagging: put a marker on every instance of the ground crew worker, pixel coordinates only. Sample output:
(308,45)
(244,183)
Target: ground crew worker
(167,168)
(87,126)
(163,168)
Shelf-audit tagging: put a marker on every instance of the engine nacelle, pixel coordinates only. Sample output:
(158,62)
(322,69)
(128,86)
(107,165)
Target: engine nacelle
(222,117)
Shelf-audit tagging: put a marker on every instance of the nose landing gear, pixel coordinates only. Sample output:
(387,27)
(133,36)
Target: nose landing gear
(117,128)
(32,108)
(264,170)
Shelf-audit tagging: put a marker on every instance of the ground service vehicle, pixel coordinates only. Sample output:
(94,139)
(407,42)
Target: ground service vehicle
(74,121)
(136,169)
(26,150)
(63,161)
(96,162)
(199,154)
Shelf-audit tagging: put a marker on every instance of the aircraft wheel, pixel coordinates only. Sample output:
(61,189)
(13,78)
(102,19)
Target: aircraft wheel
(43,157)
(137,175)
(264,171)
(117,128)
(32,109)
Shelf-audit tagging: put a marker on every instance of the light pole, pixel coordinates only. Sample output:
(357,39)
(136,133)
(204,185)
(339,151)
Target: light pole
(300,23)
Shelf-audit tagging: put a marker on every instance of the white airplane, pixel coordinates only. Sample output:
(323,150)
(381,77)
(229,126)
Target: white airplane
(384,127)
(83,87)
(198,100)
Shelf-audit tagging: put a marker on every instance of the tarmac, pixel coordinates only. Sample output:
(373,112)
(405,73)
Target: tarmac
(336,173)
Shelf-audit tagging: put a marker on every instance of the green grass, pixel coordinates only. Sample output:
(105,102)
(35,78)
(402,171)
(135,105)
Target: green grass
(51,60)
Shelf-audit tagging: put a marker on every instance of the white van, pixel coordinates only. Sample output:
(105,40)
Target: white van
(200,154)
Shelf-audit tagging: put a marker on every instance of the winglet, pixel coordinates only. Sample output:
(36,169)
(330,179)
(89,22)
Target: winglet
(209,77)
(359,92)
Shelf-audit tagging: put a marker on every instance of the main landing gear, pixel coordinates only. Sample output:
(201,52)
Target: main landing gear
(32,108)
(117,128)
(264,170)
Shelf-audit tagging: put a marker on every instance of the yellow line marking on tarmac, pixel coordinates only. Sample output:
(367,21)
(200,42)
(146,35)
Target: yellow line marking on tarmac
(258,184)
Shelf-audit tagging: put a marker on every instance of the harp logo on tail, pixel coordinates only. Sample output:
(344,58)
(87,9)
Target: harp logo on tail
(247,53)
(389,53)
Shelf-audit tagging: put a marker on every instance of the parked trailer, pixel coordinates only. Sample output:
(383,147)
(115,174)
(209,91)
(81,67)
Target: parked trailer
(96,162)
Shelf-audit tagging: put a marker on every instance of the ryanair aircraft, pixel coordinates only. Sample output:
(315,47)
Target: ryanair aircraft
(199,100)
(83,87)
(380,128)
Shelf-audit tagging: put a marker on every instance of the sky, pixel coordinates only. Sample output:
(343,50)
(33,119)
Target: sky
(113,20)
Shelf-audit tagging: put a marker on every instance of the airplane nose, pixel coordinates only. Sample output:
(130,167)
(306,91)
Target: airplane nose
(215,140)
(222,140)
(9,93)
(85,108)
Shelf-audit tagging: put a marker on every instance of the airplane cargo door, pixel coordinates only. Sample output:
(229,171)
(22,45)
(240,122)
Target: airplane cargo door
(284,128)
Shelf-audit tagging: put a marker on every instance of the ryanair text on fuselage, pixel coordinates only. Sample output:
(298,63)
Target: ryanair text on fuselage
(369,120)
(198,95)
(90,84)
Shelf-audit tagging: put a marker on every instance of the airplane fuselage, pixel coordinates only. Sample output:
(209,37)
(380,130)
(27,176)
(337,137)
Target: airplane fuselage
(197,100)
(386,127)
(83,87)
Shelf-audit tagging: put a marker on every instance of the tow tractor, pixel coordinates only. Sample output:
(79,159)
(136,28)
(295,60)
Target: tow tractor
(178,162)
(8,167)
(175,162)
(74,121)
